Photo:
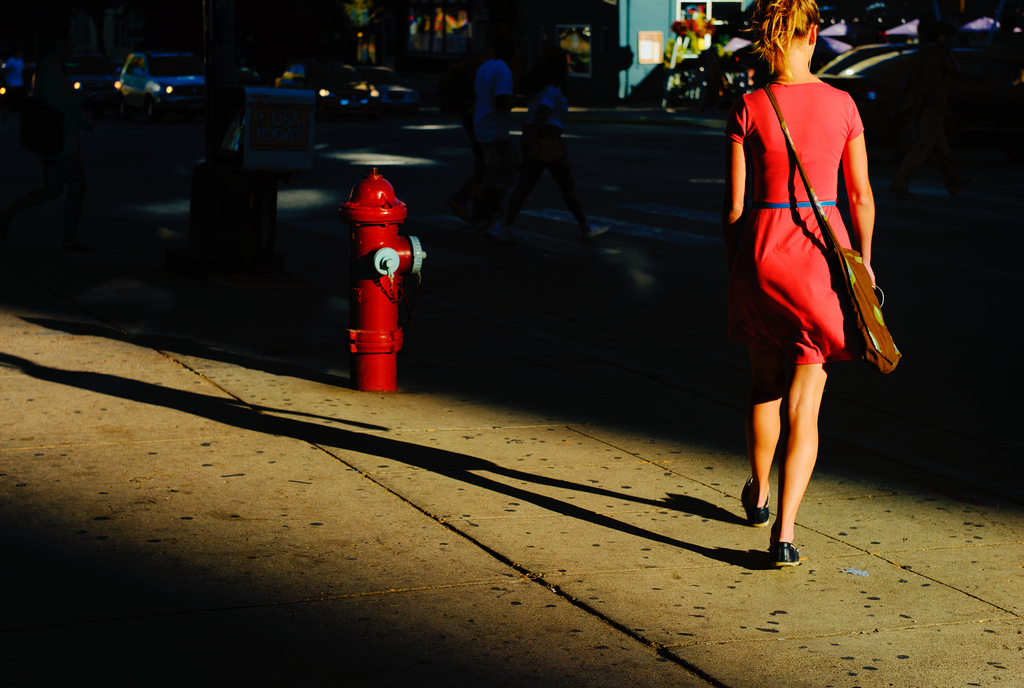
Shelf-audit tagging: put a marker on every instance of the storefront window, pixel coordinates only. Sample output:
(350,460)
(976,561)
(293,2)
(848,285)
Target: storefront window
(575,40)
(439,27)
(712,10)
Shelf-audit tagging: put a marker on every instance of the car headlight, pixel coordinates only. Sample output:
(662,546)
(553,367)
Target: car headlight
(169,89)
(324,93)
(117,85)
(374,93)
(3,90)
(78,85)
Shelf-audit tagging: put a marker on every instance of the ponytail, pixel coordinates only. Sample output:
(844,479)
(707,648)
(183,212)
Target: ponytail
(776,23)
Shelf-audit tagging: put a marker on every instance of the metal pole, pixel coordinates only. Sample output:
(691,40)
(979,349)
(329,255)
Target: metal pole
(995,22)
(208,75)
(219,67)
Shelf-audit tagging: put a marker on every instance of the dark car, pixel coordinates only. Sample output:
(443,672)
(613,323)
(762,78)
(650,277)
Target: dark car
(986,98)
(93,79)
(339,88)
(395,93)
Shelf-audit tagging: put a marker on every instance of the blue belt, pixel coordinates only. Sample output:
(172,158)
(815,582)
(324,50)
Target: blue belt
(762,205)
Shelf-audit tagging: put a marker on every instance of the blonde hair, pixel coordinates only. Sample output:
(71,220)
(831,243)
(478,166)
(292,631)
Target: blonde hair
(776,23)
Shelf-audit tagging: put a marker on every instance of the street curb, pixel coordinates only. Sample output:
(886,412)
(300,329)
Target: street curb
(658,121)
(665,117)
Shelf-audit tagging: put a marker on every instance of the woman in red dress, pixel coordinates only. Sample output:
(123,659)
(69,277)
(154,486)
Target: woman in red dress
(781,300)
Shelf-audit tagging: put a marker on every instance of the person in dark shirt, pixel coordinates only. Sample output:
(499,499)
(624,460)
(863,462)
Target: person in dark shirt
(927,92)
(64,168)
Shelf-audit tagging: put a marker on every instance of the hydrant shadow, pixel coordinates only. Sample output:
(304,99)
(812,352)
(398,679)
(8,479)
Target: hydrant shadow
(461,467)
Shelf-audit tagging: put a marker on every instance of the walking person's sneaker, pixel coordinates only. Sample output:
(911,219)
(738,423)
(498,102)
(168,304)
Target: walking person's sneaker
(590,232)
(459,208)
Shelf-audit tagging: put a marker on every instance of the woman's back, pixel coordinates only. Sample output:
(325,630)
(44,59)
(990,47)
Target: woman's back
(821,119)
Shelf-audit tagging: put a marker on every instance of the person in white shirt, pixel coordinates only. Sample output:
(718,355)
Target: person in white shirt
(495,97)
(542,146)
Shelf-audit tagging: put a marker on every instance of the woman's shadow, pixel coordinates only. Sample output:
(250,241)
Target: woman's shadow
(462,467)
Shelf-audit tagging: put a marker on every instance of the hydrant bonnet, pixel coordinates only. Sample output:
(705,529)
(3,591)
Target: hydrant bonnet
(373,201)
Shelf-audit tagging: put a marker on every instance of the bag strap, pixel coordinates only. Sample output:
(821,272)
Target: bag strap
(823,222)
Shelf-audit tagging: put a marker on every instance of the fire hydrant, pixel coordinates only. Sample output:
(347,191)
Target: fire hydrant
(378,259)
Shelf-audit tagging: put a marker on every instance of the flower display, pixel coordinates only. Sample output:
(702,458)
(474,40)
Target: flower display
(694,23)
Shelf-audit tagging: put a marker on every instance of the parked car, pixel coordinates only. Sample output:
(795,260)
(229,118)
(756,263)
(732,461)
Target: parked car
(986,98)
(93,79)
(339,88)
(852,61)
(395,93)
(156,83)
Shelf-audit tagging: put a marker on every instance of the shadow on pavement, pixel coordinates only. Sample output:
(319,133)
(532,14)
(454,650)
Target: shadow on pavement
(461,467)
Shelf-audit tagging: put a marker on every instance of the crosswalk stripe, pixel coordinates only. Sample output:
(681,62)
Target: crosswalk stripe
(541,241)
(676,211)
(630,228)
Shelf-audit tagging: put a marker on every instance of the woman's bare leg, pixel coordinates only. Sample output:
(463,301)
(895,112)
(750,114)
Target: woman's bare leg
(764,423)
(803,403)
(561,171)
(530,172)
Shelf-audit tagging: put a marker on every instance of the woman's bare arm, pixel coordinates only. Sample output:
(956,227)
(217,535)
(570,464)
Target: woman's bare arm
(862,201)
(732,203)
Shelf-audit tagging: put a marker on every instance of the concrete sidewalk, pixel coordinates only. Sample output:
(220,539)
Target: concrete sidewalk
(191,493)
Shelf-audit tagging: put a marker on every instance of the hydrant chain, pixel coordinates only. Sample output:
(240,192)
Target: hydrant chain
(395,296)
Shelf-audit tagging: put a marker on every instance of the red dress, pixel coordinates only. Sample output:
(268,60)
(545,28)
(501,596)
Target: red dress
(780,289)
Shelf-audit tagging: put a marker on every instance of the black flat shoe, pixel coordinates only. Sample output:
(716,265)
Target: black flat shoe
(783,554)
(757,516)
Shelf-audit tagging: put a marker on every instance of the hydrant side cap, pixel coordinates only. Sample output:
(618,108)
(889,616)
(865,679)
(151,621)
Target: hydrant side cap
(373,199)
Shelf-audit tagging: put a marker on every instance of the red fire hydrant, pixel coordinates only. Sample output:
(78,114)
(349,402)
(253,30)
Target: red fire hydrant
(378,258)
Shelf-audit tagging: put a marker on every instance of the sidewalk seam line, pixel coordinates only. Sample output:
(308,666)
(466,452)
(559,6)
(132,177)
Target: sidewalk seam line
(535,577)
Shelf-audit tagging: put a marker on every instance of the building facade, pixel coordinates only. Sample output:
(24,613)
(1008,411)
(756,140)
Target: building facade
(616,47)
